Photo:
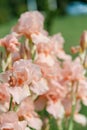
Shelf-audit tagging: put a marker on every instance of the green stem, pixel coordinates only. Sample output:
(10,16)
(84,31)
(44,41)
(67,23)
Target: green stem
(71,123)
(15,107)
(32,50)
(10,105)
(30,128)
(85,57)
(65,123)
(72,116)
(60,126)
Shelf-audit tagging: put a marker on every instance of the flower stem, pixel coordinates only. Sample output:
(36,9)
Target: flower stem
(72,116)
(71,123)
(60,126)
(10,105)
(84,60)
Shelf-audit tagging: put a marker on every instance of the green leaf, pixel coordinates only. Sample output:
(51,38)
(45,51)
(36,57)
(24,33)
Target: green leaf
(53,124)
(43,114)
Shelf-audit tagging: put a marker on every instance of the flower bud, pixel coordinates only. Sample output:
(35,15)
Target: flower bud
(75,50)
(83,41)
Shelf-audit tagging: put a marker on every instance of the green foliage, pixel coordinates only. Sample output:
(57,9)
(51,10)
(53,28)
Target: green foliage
(62,5)
(43,114)
(20,9)
(11,8)
(6,27)
(18,6)
(79,127)
(5,12)
(43,5)
(53,124)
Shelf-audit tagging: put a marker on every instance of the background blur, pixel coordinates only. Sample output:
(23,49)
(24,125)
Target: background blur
(66,16)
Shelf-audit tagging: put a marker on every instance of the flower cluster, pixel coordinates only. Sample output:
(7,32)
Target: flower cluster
(38,76)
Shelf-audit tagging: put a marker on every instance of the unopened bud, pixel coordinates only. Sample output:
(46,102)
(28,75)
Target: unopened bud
(83,41)
(75,50)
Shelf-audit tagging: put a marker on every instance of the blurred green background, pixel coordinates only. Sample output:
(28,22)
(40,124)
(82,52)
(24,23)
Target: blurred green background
(56,20)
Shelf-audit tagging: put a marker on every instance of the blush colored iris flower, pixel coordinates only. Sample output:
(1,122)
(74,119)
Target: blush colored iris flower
(9,121)
(10,42)
(29,22)
(39,77)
